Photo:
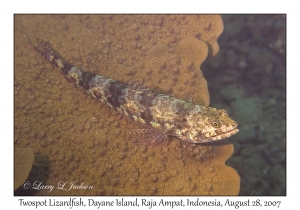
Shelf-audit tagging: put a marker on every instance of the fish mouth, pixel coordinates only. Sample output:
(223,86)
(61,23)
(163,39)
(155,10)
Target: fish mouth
(219,136)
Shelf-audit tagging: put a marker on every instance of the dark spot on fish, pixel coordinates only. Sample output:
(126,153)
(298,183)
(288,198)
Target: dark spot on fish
(115,89)
(146,116)
(67,67)
(86,78)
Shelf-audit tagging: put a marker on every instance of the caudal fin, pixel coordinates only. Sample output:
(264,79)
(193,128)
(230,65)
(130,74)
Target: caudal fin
(45,50)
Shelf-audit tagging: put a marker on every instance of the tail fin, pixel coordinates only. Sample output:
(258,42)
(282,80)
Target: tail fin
(45,50)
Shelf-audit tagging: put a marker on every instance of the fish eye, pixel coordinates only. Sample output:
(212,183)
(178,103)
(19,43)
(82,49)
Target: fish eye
(215,124)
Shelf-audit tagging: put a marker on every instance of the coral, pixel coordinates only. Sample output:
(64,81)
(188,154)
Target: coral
(24,158)
(85,139)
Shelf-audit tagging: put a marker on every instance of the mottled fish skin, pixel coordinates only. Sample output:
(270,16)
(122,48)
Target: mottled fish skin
(160,114)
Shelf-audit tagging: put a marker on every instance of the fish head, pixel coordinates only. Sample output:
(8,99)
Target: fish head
(206,125)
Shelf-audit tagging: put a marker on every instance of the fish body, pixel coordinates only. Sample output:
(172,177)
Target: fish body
(161,115)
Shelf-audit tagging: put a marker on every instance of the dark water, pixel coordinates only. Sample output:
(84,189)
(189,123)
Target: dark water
(251,65)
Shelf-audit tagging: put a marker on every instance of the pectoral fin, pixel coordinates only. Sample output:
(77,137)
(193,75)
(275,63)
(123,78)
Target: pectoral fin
(151,137)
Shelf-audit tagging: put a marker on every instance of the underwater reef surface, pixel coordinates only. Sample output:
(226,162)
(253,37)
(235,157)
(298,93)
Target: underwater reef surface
(248,78)
(24,158)
(78,139)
